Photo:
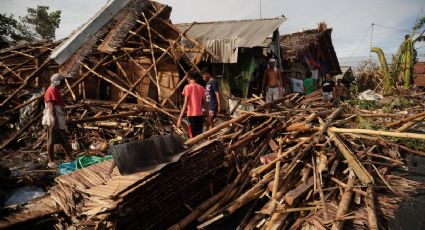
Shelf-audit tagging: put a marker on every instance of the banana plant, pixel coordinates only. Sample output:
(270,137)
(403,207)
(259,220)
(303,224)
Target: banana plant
(403,61)
(388,79)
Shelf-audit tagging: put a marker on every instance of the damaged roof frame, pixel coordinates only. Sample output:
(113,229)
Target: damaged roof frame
(82,35)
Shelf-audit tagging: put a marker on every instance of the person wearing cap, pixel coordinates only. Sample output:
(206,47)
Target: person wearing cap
(272,82)
(54,119)
(212,96)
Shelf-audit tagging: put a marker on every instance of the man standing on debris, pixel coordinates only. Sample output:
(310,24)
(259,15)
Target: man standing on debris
(54,119)
(194,98)
(212,97)
(328,88)
(273,78)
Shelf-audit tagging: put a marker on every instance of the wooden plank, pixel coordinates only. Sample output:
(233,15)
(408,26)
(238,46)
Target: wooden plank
(294,194)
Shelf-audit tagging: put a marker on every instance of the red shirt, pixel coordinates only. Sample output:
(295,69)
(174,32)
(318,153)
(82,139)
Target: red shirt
(53,94)
(195,93)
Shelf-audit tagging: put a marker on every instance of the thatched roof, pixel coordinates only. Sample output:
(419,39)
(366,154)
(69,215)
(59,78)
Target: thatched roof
(294,45)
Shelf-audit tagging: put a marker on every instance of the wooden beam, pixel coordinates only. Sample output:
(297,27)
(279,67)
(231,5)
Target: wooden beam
(296,193)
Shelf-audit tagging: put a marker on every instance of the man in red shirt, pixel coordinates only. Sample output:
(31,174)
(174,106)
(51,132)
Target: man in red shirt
(54,119)
(194,98)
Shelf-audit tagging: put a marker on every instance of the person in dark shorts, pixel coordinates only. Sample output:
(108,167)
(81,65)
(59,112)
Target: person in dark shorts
(212,97)
(328,88)
(194,98)
(54,119)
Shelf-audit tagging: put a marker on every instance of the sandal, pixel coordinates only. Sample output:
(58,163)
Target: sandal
(52,165)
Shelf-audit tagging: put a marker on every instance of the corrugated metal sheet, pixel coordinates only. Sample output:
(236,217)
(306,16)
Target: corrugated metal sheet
(223,38)
(83,34)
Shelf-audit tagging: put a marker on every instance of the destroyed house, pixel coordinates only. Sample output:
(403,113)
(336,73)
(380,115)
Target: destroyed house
(309,52)
(128,52)
(237,50)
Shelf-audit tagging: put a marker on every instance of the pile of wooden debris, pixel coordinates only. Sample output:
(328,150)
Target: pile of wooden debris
(302,165)
(122,83)
(293,163)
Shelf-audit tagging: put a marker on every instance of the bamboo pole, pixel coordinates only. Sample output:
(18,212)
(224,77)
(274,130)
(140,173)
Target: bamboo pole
(194,66)
(344,205)
(356,190)
(320,188)
(253,137)
(198,211)
(153,55)
(370,207)
(154,15)
(277,170)
(26,82)
(354,163)
(149,69)
(216,129)
(414,151)
(413,117)
(91,119)
(129,92)
(27,125)
(257,171)
(11,71)
(409,124)
(376,132)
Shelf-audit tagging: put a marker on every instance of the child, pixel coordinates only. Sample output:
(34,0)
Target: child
(194,98)
(212,96)
(328,88)
(340,90)
(308,84)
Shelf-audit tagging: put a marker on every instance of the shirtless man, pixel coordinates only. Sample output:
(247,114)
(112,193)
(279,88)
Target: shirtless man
(273,78)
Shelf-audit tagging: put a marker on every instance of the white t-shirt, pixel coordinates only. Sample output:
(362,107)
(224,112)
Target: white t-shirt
(297,85)
(315,74)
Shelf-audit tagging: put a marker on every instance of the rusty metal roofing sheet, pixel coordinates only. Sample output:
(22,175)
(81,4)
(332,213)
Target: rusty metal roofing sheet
(224,38)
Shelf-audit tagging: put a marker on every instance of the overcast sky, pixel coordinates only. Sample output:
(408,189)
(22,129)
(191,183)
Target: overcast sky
(351,20)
